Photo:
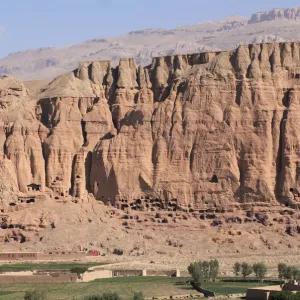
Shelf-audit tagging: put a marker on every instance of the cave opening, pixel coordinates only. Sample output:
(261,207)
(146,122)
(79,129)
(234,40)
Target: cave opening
(214,179)
(33,187)
(30,201)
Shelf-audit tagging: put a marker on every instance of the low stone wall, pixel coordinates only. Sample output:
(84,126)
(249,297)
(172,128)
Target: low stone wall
(168,273)
(93,275)
(66,276)
(36,278)
(10,256)
(184,274)
(60,255)
(121,273)
(187,296)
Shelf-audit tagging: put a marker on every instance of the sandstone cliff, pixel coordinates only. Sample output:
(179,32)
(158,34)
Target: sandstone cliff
(210,130)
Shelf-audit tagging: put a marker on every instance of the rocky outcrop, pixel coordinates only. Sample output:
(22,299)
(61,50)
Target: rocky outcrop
(211,130)
(292,14)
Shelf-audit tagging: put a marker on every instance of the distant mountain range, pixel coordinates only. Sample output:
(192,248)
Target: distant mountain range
(45,63)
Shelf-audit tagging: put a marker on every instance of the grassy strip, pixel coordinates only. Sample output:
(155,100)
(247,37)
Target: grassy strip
(18,267)
(124,286)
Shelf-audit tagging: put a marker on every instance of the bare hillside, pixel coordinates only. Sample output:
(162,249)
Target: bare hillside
(277,25)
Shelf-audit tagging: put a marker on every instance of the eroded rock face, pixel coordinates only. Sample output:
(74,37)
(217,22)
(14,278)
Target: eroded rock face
(209,129)
(292,14)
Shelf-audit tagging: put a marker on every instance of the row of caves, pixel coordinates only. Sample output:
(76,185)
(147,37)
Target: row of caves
(148,204)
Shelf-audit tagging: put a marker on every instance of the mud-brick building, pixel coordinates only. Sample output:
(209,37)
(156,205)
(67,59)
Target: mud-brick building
(18,256)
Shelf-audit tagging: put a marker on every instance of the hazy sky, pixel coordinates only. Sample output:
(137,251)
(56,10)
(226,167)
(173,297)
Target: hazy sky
(26,24)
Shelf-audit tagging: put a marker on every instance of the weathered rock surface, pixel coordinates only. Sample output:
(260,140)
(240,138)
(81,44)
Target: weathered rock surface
(292,14)
(212,130)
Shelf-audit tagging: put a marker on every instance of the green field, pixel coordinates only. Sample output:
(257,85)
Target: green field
(125,286)
(18,267)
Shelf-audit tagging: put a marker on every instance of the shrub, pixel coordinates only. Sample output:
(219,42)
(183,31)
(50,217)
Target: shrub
(296,296)
(105,296)
(246,270)
(237,269)
(110,296)
(260,271)
(138,296)
(35,295)
(285,295)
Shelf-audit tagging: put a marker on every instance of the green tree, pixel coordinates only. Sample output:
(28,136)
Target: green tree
(79,271)
(237,269)
(214,269)
(295,273)
(260,271)
(281,271)
(288,274)
(35,295)
(195,270)
(138,296)
(246,270)
(206,270)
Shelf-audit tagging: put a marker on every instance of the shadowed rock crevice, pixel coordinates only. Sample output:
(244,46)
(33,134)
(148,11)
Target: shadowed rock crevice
(84,133)
(280,157)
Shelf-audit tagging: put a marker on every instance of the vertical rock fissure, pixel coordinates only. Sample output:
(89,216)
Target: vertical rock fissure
(71,190)
(84,133)
(280,154)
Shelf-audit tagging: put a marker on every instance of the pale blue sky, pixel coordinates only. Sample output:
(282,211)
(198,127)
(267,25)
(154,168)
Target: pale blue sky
(26,24)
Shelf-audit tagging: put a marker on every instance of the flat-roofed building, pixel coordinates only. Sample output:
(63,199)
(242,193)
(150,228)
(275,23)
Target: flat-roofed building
(262,293)
(49,255)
